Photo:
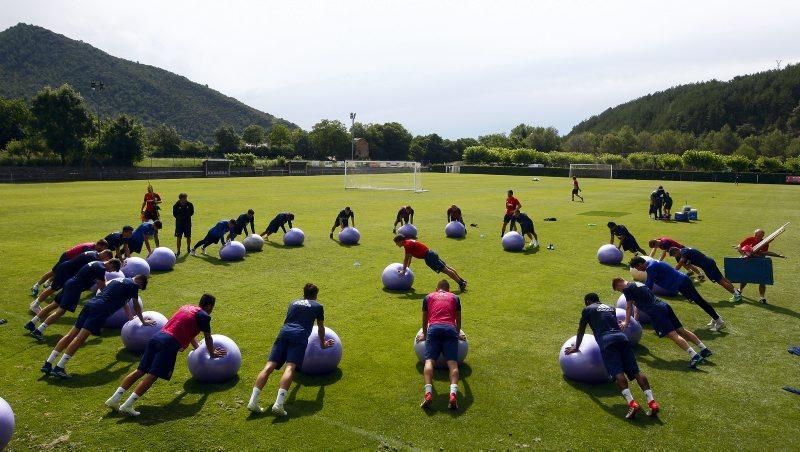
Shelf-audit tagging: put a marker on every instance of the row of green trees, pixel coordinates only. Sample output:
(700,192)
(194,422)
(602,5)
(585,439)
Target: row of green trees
(57,127)
(701,160)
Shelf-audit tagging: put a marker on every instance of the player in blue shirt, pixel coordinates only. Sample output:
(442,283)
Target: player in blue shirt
(290,347)
(691,257)
(526,227)
(665,322)
(672,280)
(242,221)
(343,219)
(142,235)
(215,234)
(278,223)
(118,242)
(616,350)
(67,300)
(66,270)
(92,317)
(627,241)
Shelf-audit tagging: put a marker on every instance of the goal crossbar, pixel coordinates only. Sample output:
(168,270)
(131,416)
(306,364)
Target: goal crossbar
(383,175)
(601,170)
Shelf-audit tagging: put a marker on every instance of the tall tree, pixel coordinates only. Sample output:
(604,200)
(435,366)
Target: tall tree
(15,117)
(495,140)
(254,134)
(120,142)
(543,139)
(164,138)
(62,119)
(227,140)
(725,141)
(301,143)
(280,137)
(330,138)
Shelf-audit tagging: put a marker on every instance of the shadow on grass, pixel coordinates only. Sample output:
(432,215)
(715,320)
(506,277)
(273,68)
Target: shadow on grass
(410,294)
(441,399)
(281,246)
(530,250)
(128,356)
(346,245)
(770,307)
(621,265)
(457,239)
(100,377)
(598,392)
(643,355)
(176,410)
(215,261)
(319,380)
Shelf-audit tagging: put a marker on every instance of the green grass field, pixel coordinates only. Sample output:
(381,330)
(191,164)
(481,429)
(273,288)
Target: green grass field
(518,311)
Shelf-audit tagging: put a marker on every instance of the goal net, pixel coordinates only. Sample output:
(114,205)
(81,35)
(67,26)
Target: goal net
(382,175)
(600,170)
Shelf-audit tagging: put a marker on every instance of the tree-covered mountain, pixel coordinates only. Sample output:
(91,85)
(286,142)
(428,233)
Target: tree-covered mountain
(32,57)
(755,104)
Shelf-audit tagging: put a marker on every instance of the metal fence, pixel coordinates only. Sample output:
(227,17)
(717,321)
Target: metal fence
(696,176)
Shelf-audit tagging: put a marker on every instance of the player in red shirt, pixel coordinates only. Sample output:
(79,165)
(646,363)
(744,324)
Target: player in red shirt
(575,189)
(80,248)
(664,244)
(512,205)
(745,248)
(162,350)
(441,331)
(418,249)
(150,208)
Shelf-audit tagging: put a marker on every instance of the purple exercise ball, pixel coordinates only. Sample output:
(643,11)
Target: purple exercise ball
(135,266)
(6,423)
(609,254)
(135,335)
(232,251)
(118,318)
(294,237)
(586,365)
(455,230)
(206,369)
(349,236)
(440,363)
(318,361)
(633,331)
(513,241)
(392,280)
(162,259)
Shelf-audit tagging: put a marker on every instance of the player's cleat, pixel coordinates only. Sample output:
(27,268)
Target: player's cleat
(46,368)
(762,300)
(30,327)
(705,353)
(34,307)
(453,403)
(112,403)
(128,411)
(654,408)
(34,291)
(535,244)
(462,285)
(426,401)
(193,253)
(278,410)
(700,277)
(331,235)
(795,350)
(696,359)
(203,251)
(718,325)
(633,408)
(255,408)
(735,298)
(36,334)
(60,373)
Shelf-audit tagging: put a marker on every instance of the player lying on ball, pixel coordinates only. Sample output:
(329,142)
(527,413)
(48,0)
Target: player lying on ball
(66,270)
(278,222)
(414,248)
(158,360)
(627,242)
(404,216)
(616,350)
(343,219)
(692,257)
(98,246)
(290,347)
(214,235)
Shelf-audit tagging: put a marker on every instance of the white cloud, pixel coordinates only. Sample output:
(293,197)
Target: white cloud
(458,68)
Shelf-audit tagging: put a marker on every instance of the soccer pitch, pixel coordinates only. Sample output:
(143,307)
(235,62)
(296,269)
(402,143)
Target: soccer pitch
(518,310)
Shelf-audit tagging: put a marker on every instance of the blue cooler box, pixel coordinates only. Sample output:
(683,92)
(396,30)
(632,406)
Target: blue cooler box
(693,214)
(681,216)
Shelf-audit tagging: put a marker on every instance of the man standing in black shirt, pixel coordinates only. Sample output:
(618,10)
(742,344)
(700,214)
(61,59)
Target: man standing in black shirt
(183,211)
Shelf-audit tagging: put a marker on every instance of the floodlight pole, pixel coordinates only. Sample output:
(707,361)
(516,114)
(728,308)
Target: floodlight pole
(352,136)
(97,86)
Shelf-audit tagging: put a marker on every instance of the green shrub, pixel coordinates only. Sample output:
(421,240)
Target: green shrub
(241,159)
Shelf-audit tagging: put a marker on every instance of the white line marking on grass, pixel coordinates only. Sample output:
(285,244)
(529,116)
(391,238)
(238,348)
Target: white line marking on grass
(366,433)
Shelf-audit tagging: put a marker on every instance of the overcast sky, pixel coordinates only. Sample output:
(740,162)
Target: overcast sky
(457,68)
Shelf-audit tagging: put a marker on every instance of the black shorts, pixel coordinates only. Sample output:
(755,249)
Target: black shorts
(273,227)
(630,244)
(183,229)
(664,320)
(574,191)
(150,215)
(433,261)
(160,356)
(712,271)
(135,246)
(69,297)
(287,349)
(92,318)
(526,229)
(618,358)
(509,217)
(61,259)
(340,222)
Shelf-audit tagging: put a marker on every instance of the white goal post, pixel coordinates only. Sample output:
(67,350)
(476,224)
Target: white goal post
(600,170)
(383,175)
